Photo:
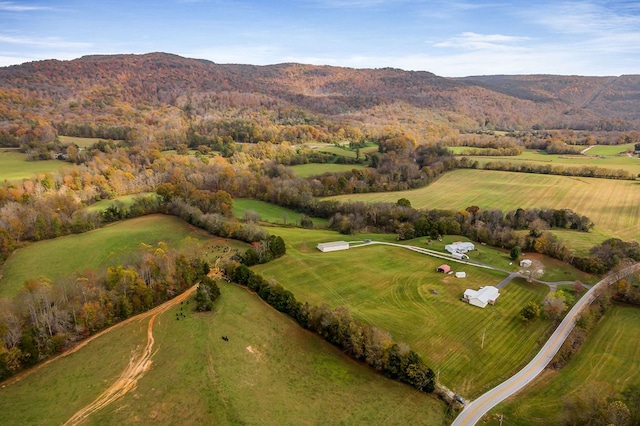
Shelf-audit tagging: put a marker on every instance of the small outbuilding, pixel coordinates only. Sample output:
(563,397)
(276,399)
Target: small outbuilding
(461,275)
(525,263)
(333,246)
(483,297)
(459,256)
(444,269)
(460,247)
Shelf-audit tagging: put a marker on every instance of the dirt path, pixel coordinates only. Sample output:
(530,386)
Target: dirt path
(138,365)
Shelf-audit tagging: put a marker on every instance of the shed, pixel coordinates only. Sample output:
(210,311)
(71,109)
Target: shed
(333,246)
(459,256)
(525,263)
(460,247)
(483,297)
(461,275)
(444,268)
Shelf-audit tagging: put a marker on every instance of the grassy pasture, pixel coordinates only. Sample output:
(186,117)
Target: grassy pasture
(609,357)
(14,166)
(270,372)
(81,142)
(599,156)
(612,205)
(56,391)
(126,200)
(399,291)
(76,253)
(313,169)
(272,213)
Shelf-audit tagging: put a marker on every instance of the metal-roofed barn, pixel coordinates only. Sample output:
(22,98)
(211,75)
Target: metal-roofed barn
(333,246)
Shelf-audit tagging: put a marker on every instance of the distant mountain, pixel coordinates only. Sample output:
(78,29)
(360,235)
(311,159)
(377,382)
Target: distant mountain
(162,89)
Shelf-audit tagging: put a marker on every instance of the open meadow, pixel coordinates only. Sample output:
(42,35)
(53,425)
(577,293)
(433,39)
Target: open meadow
(125,201)
(102,247)
(270,372)
(272,213)
(14,166)
(602,156)
(612,205)
(314,169)
(400,291)
(607,361)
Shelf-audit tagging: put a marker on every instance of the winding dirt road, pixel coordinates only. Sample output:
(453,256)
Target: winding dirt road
(138,365)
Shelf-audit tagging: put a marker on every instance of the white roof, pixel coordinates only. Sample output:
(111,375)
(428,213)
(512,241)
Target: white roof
(460,246)
(333,244)
(485,294)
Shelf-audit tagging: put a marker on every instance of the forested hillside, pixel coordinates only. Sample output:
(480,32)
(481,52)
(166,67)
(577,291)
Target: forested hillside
(162,97)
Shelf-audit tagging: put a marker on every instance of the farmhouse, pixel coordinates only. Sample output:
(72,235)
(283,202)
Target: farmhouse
(459,247)
(444,268)
(483,297)
(525,263)
(333,246)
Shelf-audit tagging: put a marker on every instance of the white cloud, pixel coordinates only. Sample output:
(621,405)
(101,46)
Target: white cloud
(473,41)
(13,7)
(49,42)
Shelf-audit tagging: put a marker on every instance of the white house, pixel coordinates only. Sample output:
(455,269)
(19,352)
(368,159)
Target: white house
(461,275)
(525,263)
(333,246)
(483,297)
(459,247)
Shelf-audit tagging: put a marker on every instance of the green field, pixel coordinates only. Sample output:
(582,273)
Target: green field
(609,356)
(125,200)
(606,157)
(399,291)
(113,243)
(14,166)
(81,142)
(270,372)
(314,169)
(612,205)
(272,213)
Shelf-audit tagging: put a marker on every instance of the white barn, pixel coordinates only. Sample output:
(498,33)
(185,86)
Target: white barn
(333,246)
(459,247)
(483,297)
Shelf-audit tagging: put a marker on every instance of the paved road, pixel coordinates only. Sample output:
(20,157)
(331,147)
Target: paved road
(474,411)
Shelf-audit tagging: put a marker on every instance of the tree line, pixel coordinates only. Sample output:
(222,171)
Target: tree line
(362,342)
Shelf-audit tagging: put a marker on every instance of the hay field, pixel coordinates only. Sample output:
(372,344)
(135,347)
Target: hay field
(614,206)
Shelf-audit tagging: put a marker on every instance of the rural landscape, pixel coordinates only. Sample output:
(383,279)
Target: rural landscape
(164,256)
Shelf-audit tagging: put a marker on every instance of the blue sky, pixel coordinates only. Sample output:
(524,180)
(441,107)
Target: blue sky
(449,38)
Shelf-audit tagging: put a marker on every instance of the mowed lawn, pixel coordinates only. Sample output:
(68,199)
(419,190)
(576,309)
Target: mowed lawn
(399,291)
(614,206)
(609,357)
(272,213)
(14,166)
(105,246)
(270,372)
(314,169)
